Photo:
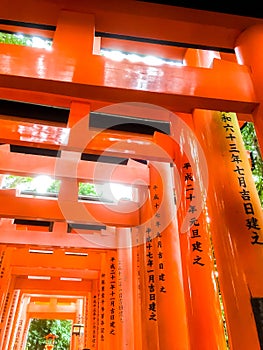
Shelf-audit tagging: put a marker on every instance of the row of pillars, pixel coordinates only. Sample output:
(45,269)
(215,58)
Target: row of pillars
(15,310)
(193,289)
(163,287)
(165,293)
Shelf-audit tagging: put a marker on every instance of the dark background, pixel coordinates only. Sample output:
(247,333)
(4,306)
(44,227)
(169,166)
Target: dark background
(247,9)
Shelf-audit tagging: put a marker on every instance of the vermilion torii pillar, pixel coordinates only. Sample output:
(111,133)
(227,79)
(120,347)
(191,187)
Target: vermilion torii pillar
(236,223)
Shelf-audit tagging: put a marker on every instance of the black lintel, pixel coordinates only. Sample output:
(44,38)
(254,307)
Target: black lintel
(34,111)
(39,223)
(35,150)
(128,124)
(103,159)
(72,226)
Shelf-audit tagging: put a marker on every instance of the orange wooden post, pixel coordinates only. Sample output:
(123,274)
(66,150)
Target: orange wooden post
(108,320)
(91,317)
(75,28)
(236,222)
(19,325)
(79,111)
(2,271)
(25,332)
(202,291)
(79,339)
(112,295)
(204,318)
(5,288)
(5,259)
(125,289)
(137,290)
(7,314)
(78,28)
(108,323)
(88,320)
(204,312)
(102,305)
(247,48)
(170,299)
(82,322)
(15,323)
(200,58)
(149,316)
(11,319)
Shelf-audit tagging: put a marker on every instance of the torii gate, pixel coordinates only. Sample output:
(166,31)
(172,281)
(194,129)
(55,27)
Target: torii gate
(146,282)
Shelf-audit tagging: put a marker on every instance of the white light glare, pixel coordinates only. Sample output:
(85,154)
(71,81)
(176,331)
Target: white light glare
(134,58)
(19,36)
(36,41)
(40,43)
(39,277)
(121,191)
(76,253)
(175,63)
(114,55)
(75,279)
(153,61)
(41,183)
(40,251)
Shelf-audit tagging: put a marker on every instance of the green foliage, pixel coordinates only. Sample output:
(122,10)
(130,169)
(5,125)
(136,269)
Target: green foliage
(13,181)
(40,328)
(54,187)
(24,40)
(251,144)
(87,189)
(9,38)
